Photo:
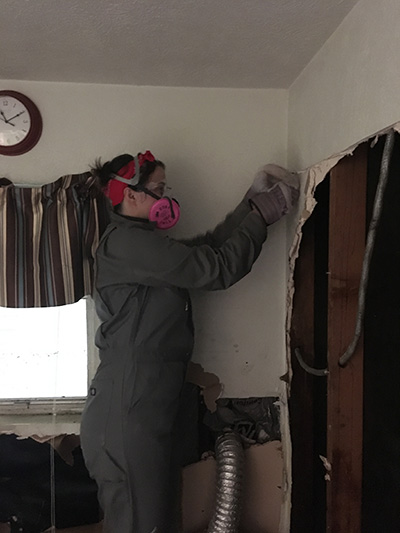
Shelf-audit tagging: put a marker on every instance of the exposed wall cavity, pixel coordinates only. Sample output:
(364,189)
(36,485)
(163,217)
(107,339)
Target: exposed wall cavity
(312,177)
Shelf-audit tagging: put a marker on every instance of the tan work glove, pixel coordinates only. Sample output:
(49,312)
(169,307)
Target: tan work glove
(274,192)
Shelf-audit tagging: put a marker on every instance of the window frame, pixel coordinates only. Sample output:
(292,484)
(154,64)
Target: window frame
(59,406)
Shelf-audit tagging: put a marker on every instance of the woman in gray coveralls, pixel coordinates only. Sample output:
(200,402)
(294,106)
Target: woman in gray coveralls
(146,334)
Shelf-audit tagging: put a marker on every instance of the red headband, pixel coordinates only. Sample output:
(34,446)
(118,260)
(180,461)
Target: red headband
(115,188)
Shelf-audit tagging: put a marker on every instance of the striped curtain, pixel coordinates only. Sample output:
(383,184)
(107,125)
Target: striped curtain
(48,238)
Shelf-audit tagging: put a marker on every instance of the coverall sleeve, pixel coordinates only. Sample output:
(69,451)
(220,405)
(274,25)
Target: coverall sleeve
(224,230)
(147,258)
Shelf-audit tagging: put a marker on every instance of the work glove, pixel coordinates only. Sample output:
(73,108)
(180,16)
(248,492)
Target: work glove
(274,192)
(268,176)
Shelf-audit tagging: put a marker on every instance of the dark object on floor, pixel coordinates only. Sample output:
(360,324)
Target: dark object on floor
(25,487)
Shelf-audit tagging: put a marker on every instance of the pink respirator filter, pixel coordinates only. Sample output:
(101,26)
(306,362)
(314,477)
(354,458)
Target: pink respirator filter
(165,213)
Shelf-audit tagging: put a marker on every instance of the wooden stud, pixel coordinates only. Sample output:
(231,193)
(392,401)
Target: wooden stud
(345,385)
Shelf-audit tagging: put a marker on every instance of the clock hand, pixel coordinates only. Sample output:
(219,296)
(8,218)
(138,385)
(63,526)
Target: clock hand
(15,116)
(3,117)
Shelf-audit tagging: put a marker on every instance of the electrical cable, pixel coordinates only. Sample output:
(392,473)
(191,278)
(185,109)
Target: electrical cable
(369,247)
(321,372)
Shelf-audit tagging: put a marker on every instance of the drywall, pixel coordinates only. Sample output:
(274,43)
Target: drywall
(212,141)
(350,88)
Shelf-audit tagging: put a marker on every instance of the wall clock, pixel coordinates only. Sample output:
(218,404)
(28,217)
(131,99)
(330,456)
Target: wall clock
(20,123)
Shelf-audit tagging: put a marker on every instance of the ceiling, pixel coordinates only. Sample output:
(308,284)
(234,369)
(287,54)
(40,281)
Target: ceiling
(185,43)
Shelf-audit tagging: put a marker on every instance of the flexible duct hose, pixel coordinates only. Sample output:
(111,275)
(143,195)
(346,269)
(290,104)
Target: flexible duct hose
(230,457)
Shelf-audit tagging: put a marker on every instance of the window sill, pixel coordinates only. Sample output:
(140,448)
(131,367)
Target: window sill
(40,417)
(44,406)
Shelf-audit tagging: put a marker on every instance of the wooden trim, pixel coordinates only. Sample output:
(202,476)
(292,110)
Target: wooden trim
(345,385)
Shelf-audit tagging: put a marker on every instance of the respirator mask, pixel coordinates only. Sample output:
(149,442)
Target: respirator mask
(165,212)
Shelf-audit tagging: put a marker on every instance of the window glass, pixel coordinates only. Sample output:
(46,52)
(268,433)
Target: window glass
(43,352)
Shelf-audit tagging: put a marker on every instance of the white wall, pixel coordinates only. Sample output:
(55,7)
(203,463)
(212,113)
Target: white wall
(212,141)
(350,89)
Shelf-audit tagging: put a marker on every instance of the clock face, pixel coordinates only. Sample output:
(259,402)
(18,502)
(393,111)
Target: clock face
(15,121)
(20,123)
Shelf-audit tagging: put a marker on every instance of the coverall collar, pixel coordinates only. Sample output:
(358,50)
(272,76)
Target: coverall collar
(143,223)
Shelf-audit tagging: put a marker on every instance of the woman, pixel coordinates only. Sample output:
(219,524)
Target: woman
(146,336)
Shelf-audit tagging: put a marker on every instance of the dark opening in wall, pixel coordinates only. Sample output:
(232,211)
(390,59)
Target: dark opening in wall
(361,482)
(308,393)
(381,442)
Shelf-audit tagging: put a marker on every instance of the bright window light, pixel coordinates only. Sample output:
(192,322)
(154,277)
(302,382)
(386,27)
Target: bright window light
(43,352)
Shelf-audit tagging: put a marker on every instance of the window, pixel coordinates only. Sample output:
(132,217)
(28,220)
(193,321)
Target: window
(46,354)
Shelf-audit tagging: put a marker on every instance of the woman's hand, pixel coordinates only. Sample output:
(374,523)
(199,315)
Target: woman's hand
(274,192)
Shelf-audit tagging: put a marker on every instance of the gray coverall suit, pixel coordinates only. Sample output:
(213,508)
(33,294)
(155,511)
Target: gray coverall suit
(145,342)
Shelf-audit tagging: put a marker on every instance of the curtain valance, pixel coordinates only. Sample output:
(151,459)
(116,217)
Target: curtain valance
(48,237)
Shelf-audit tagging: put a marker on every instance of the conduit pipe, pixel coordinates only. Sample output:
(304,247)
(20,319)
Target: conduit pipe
(369,247)
(230,458)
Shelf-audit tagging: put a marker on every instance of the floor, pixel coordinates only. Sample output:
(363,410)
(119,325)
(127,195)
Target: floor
(262,483)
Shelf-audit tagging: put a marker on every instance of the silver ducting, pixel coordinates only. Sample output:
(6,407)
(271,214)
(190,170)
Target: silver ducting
(230,458)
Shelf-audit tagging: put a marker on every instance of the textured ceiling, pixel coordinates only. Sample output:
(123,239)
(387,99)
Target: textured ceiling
(189,43)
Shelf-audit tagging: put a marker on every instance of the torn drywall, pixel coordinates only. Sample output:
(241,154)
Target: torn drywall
(210,385)
(63,444)
(312,177)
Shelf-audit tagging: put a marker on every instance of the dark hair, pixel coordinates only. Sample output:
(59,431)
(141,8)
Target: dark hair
(105,172)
